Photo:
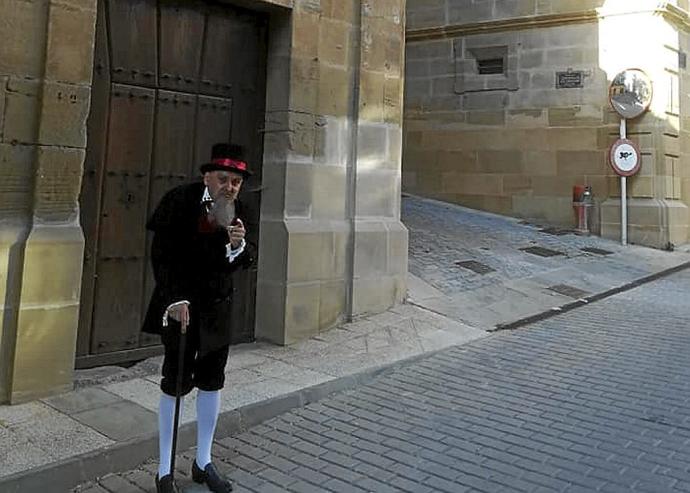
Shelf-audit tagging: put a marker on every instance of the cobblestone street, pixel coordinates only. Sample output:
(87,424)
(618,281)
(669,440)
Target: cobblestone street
(594,400)
(443,234)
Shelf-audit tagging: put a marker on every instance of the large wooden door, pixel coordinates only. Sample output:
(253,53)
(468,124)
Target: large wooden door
(171,78)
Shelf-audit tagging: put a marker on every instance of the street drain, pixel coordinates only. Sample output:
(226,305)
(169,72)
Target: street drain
(556,231)
(542,252)
(569,291)
(596,251)
(475,266)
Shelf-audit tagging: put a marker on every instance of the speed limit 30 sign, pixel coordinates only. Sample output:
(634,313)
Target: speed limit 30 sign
(625,158)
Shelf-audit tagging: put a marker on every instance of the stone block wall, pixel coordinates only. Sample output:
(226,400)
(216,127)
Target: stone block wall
(514,143)
(45,77)
(332,167)
(680,183)
(434,13)
(332,244)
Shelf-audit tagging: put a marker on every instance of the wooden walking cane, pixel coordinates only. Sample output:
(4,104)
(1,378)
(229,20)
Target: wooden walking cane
(178,393)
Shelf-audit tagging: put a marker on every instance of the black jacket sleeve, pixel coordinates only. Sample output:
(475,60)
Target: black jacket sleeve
(169,249)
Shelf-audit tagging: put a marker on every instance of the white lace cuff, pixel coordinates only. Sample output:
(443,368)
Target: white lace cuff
(231,253)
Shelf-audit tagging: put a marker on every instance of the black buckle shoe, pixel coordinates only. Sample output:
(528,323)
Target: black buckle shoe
(166,484)
(210,476)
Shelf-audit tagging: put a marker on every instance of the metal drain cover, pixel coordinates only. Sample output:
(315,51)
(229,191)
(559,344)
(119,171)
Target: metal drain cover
(556,231)
(569,291)
(596,251)
(475,266)
(542,252)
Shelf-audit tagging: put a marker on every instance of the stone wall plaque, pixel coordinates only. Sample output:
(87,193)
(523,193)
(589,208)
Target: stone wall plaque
(572,79)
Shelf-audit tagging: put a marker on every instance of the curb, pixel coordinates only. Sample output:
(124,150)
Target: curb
(553,312)
(69,473)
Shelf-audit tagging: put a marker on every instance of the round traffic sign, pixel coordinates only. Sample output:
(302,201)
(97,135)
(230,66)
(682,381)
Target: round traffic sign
(625,157)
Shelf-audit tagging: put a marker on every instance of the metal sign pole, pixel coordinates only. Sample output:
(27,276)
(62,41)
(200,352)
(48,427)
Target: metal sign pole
(624,195)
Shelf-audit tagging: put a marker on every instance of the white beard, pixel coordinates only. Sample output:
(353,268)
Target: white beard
(223,211)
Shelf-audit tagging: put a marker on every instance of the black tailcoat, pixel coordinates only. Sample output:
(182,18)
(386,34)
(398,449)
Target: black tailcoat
(189,263)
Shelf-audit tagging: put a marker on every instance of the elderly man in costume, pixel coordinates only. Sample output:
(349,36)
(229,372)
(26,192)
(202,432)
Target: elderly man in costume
(199,240)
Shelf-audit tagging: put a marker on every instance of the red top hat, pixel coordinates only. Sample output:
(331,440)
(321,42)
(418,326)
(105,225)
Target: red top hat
(227,157)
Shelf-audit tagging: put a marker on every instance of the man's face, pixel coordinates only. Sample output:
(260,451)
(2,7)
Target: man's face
(223,183)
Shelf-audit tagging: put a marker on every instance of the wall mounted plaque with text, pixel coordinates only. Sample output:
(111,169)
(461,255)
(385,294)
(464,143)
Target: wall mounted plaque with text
(572,79)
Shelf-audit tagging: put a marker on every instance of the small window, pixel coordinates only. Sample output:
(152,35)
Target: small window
(490,60)
(488,66)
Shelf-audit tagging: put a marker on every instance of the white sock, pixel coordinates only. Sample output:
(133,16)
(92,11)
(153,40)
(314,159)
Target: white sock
(166,423)
(207,409)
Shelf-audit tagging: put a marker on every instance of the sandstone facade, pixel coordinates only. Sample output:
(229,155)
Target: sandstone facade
(516,143)
(332,153)
(332,245)
(45,77)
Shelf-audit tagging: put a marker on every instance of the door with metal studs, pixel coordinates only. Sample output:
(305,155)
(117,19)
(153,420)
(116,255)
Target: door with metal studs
(170,79)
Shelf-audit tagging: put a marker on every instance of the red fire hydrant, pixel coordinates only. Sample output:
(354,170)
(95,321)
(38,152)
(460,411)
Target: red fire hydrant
(582,204)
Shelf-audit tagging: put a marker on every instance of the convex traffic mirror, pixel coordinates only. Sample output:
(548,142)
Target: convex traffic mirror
(630,93)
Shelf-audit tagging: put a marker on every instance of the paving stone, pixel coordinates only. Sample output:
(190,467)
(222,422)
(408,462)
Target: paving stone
(308,448)
(57,435)
(310,475)
(140,478)
(370,484)
(304,487)
(30,412)
(269,488)
(93,489)
(248,464)
(404,484)
(308,460)
(279,463)
(120,421)
(342,487)
(251,451)
(246,480)
(19,453)
(340,459)
(277,477)
(147,394)
(82,400)
(438,484)
(119,484)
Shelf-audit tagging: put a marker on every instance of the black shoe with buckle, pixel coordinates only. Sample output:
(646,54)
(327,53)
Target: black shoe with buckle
(209,476)
(166,484)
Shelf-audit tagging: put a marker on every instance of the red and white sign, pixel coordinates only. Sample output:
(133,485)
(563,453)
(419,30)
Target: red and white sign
(625,157)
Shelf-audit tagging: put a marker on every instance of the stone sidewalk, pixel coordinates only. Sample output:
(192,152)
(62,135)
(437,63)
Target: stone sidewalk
(470,274)
(111,425)
(495,272)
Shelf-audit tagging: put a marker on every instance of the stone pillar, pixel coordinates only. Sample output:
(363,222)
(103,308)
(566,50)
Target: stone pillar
(331,244)
(380,260)
(45,69)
